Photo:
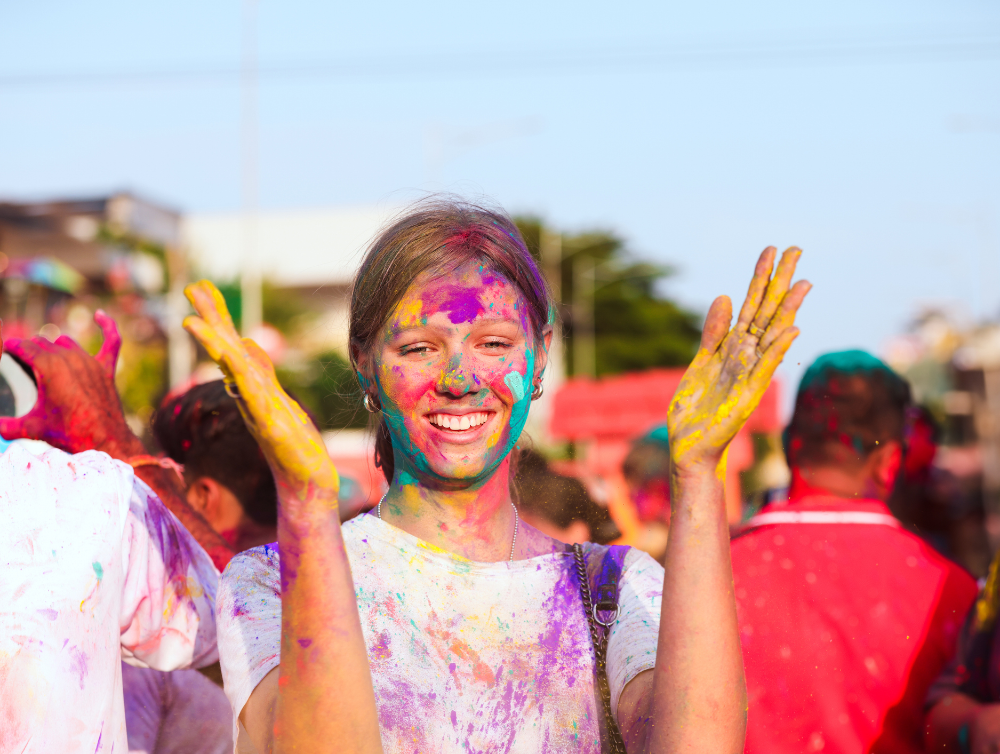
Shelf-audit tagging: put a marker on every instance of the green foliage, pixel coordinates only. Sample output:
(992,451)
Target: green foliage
(141,376)
(282,307)
(326,385)
(635,327)
(233,295)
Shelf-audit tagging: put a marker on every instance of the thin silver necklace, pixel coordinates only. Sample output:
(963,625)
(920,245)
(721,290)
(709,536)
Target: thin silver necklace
(516,521)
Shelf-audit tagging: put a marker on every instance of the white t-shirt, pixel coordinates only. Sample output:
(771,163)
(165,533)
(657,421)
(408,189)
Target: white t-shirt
(93,569)
(465,656)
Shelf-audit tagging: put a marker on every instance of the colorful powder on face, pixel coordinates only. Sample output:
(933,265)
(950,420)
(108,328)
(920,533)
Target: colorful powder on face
(404,389)
(515,381)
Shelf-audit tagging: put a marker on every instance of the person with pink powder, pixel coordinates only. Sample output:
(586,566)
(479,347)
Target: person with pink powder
(440,621)
(96,568)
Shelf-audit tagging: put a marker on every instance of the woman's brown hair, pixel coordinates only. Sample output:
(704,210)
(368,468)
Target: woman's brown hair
(436,235)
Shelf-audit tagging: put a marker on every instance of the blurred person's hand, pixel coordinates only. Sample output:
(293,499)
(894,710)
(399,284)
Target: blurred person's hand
(78,407)
(733,367)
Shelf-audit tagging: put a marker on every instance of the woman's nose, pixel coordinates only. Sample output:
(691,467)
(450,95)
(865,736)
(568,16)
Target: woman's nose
(458,379)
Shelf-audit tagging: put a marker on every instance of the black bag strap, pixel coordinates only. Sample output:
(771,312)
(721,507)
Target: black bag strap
(602,612)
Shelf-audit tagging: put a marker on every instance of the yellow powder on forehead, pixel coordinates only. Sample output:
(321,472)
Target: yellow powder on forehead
(408,313)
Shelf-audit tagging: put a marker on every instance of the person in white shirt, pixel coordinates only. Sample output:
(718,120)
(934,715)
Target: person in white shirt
(230,484)
(95,568)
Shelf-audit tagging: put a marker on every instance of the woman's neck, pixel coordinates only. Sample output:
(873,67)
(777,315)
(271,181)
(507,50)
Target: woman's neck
(474,521)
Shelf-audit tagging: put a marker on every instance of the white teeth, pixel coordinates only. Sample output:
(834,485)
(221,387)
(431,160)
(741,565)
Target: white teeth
(458,423)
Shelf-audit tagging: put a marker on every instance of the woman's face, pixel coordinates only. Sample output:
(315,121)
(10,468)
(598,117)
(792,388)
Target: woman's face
(455,370)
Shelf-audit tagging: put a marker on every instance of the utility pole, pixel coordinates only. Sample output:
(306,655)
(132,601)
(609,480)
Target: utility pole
(180,352)
(250,279)
(584,347)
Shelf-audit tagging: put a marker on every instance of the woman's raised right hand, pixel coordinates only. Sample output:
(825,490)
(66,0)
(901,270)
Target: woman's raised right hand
(289,439)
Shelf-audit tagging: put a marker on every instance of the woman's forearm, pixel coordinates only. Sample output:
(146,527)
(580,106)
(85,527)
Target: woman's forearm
(699,692)
(325,694)
(325,691)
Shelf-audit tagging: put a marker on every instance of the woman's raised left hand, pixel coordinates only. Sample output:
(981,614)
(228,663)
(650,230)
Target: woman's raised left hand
(734,365)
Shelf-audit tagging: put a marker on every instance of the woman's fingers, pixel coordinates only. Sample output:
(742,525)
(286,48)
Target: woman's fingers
(777,288)
(209,303)
(216,346)
(761,278)
(214,328)
(785,317)
(717,321)
(771,359)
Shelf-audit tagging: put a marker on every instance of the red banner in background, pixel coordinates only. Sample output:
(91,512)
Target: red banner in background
(629,405)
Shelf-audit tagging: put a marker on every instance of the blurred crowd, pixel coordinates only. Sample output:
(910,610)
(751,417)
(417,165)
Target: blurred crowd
(862,624)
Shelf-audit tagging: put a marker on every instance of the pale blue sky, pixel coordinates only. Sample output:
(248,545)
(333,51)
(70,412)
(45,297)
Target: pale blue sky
(866,132)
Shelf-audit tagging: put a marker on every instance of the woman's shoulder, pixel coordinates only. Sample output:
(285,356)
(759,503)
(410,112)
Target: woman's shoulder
(265,561)
(630,562)
(258,564)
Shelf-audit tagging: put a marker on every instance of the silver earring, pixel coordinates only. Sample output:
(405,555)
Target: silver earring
(370,404)
(538,392)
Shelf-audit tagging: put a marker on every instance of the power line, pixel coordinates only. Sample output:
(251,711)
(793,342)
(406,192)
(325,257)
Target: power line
(683,58)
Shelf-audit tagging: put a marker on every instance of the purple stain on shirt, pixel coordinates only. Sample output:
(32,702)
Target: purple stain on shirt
(304,643)
(454,718)
(451,667)
(78,663)
(50,614)
(382,648)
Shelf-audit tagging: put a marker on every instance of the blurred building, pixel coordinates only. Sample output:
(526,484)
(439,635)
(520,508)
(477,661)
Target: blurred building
(310,253)
(62,259)
(954,370)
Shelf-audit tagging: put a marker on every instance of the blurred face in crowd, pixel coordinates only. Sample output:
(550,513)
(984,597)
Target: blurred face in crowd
(652,500)
(455,371)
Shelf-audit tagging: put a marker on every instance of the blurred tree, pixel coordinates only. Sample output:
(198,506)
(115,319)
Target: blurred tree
(326,385)
(635,327)
(283,308)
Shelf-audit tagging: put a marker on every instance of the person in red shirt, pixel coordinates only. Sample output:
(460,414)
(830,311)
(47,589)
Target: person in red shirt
(845,618)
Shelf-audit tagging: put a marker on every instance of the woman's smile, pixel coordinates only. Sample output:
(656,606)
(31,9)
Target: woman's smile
(460,426)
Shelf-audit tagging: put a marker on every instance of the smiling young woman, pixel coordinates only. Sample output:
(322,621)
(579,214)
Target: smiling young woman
(441,622)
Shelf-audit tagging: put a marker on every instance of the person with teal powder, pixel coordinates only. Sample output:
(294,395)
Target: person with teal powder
(646,469)
(440,621)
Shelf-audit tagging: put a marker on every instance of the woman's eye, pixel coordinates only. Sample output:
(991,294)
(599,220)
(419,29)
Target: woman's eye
(496,344)
(407,350)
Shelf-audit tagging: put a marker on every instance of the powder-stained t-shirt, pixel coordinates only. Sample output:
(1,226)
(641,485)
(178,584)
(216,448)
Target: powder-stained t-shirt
(465,656)
(93,569)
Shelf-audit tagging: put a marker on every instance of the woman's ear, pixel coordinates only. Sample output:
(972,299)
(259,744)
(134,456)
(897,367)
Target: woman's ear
(362,366)
(542,358)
